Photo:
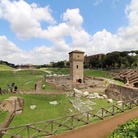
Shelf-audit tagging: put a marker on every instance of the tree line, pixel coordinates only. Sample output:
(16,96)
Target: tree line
(7,63)
(115,59)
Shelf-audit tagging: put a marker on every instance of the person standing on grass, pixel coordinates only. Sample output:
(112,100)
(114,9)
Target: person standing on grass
(15,88)
(10,87)
(43,86)
(0,91)
(35,86)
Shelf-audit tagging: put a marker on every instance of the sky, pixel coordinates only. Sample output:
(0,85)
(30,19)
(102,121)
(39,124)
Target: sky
(42,31)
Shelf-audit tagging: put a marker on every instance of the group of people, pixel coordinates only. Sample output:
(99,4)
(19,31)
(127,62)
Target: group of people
(12,87)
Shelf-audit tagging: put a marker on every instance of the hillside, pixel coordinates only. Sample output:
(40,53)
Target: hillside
(5,67)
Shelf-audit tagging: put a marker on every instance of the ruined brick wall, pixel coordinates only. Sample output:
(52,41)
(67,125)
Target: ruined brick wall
(118,92)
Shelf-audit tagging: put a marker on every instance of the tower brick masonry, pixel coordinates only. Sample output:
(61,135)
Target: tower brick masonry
(76,59)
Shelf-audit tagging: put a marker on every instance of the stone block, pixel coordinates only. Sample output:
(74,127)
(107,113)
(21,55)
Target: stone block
(12,104)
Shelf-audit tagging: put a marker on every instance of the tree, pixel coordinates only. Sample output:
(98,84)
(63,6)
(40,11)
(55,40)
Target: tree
(112,60)
(60,64)
(131,60)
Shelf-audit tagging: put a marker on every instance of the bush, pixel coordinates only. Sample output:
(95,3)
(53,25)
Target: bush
(127,130)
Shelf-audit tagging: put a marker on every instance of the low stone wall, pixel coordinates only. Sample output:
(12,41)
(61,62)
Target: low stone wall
(65,84)
(121,93)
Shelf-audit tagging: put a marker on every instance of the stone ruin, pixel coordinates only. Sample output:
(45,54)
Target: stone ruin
(64,83)
(129,77)
(83,102)
(80,105)
(121,93)
(86,94)
(12,104)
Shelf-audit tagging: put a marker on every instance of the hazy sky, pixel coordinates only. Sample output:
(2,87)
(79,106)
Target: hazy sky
(41,31)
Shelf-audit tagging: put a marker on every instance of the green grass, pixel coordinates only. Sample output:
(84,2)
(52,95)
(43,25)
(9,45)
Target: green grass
(97,73)
(5,67)
(3,115)
(26,80)
(57,70)
(44,110)
(47,87)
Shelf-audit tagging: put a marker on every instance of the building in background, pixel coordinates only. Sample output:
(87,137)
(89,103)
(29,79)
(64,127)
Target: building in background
(88,59)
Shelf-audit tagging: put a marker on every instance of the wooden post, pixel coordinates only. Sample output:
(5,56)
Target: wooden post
(123,106)
(72,122)
(28,132)
(102,113)
(52,127)
(88,118)
(113,109)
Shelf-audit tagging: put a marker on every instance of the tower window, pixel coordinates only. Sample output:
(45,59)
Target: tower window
(77,66)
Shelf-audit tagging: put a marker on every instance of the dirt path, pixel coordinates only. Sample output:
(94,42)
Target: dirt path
(38,85)
(101,129)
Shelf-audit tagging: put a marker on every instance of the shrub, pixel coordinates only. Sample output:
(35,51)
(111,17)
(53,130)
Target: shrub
(127,130)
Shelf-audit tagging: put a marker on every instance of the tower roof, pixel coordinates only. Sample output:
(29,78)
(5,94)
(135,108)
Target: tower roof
(76,51)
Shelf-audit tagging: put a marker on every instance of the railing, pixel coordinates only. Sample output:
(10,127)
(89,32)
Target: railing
(50,127)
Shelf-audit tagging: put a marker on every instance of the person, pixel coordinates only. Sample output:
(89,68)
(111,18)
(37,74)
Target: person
(0,91)
(13,84)
(43,86)
(35,86)
(15,88)
(10,87)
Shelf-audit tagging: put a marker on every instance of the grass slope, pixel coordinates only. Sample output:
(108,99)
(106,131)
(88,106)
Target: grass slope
(97,73)
(24,79)
(5,67)
(44,110)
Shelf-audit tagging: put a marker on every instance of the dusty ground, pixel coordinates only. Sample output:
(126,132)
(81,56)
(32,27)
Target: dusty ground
(101,129)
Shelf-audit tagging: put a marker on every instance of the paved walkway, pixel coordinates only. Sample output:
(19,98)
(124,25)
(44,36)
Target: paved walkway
(101,129)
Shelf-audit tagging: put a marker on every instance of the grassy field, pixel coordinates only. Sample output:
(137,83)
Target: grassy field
(96,73)
(26,79)
(44,110)
(57,70)
(5,67)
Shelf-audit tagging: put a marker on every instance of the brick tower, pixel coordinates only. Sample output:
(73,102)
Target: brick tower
(76,59)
